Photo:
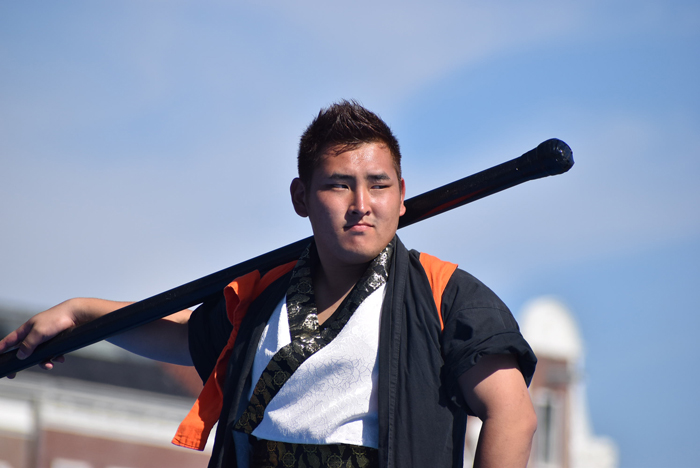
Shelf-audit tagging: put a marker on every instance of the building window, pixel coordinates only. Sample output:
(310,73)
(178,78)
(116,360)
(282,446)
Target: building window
(549,438)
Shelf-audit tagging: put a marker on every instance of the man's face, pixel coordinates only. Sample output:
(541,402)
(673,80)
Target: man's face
(354,202)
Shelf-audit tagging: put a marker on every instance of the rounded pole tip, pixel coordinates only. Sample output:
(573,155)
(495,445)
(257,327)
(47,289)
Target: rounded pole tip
(558,155)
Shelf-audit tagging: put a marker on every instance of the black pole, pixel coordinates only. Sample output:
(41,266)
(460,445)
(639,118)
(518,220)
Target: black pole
(551,157)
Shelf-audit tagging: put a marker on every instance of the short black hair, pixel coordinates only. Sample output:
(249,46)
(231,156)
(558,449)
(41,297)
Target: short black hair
(345,125)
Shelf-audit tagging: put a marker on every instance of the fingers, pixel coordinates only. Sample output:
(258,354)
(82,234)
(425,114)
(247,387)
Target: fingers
(26,346)
(9,342)
(49,364)
(32,338)
(40,329)
(14,338)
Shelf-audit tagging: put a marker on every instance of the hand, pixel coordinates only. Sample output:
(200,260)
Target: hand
(39,329)
(163,340)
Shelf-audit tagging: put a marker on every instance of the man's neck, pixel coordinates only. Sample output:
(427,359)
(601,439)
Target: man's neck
(332,285)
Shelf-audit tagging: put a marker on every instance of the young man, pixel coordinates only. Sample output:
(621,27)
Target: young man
(362,353)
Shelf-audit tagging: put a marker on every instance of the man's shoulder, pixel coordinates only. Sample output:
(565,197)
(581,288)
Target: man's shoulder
(460,288)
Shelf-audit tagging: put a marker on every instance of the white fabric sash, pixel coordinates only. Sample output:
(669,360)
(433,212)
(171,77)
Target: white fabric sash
(331,398)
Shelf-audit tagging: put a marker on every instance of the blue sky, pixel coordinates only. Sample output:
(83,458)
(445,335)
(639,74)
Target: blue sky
(145,144)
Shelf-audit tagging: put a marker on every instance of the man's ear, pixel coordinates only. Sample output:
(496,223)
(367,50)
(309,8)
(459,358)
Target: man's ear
(402,210)
(298,192)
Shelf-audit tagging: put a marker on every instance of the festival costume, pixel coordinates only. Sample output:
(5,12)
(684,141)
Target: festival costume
(422,352)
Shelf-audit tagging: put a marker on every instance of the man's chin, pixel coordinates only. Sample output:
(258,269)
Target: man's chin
(359,255)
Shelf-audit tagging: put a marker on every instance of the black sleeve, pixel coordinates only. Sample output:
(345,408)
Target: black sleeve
(208,331)
(478,323)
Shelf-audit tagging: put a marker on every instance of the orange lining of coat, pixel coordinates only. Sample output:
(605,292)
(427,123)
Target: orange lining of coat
(439,273)
(240,293)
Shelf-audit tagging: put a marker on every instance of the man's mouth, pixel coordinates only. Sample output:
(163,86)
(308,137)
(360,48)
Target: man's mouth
(358,227)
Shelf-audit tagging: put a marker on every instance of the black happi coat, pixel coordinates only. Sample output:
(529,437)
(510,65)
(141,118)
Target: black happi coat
(422,415)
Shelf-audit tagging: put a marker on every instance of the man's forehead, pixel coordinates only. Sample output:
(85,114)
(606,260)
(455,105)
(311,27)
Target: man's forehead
(342,148)
(369,158)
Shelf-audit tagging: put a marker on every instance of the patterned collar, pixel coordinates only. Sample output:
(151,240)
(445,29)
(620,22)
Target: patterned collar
(301,301)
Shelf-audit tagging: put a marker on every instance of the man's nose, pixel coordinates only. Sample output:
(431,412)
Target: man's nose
(360,201)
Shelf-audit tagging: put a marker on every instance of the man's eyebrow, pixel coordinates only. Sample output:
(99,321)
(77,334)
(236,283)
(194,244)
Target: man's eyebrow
(379,176)
(375,177)
(339,176)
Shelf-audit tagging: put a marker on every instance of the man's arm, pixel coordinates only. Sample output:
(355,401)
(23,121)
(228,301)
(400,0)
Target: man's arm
(162,340)
(496,391)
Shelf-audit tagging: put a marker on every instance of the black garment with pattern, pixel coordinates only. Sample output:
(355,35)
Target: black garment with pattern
(271,454)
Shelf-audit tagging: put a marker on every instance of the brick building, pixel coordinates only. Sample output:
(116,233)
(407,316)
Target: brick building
(103,408)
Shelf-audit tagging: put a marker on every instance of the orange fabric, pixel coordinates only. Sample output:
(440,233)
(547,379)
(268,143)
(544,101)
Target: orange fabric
(240,293)
(439,273)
